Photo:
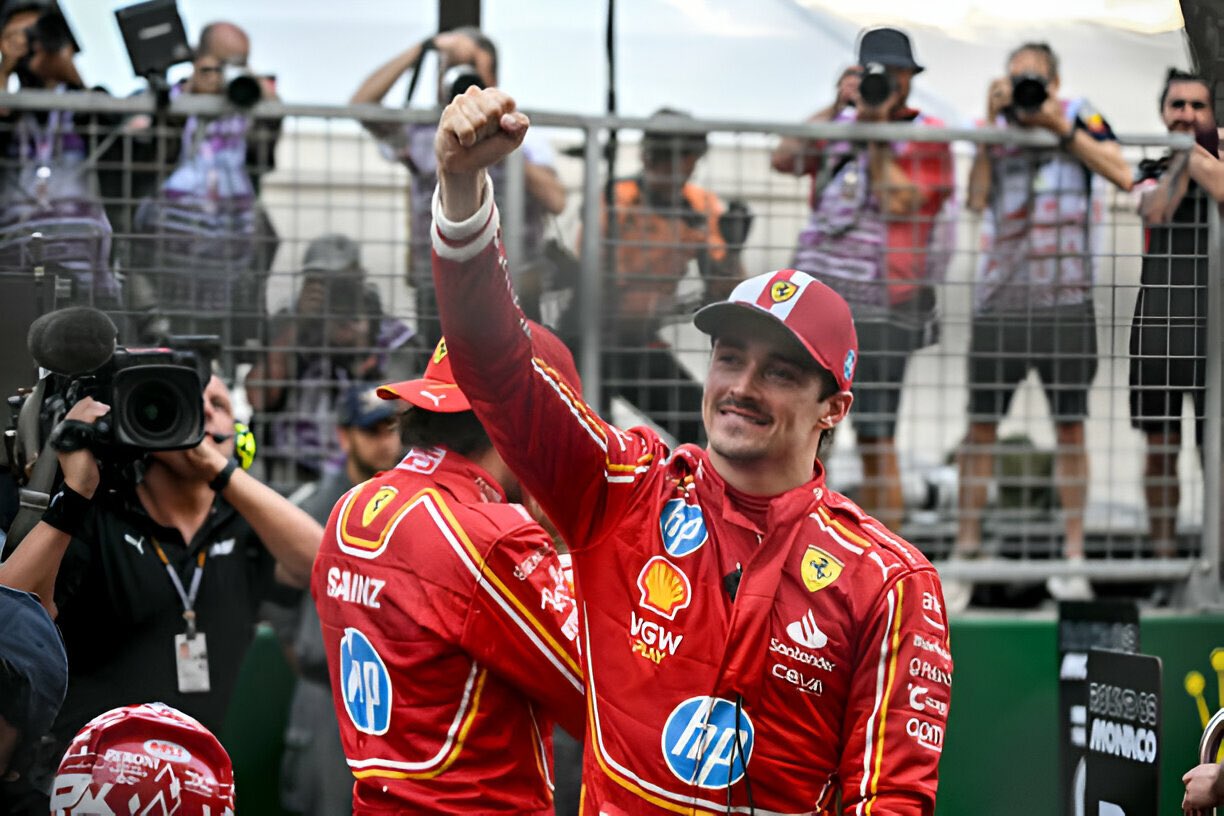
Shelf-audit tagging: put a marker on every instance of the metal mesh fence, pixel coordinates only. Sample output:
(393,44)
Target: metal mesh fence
(1001,342)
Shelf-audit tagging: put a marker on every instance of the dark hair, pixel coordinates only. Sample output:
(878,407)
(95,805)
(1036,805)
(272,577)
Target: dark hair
(664,145)
(460,432)
(482,42)
(828,387)
(1177,75)
(1041,48)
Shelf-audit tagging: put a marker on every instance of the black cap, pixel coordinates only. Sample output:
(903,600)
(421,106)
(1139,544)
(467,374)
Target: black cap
(889,47)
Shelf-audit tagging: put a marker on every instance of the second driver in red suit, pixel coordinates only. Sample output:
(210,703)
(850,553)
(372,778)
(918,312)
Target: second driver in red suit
(752,640)
(449,624)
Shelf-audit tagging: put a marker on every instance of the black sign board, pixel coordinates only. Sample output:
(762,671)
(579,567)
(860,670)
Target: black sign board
(1082,626)
(1122,760)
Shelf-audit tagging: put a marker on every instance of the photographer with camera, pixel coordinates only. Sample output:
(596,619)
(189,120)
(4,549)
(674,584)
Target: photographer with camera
(874,236)
(1032,300)
(663,222)
(466,57)
(1169,332)
(49,180)
(204,244)
(154,559)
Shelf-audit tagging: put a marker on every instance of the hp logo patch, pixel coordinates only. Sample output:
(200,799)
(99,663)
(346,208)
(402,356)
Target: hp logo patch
(683,528)
(367,685)
(700,745)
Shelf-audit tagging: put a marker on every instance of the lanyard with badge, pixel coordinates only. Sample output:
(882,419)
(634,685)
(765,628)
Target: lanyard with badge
(190,649)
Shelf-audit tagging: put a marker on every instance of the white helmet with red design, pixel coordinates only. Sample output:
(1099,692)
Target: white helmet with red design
(144,759)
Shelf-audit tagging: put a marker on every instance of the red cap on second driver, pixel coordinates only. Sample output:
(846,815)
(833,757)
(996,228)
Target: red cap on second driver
(437,391)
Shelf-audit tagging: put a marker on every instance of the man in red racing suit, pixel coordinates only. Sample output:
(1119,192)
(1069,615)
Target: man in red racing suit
(752,641)
(449,625)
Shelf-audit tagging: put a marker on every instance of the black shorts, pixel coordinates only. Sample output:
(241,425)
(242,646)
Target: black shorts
(885,349)
(1061,344)
(1168,360)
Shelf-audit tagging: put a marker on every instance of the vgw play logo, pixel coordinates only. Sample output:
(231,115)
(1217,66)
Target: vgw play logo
(707,742)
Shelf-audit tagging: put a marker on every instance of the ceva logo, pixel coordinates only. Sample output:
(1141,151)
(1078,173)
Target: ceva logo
(707,742)
(683,528)
(366,684)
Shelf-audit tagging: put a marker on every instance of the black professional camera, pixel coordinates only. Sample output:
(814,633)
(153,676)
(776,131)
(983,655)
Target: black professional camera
(876,84)
(458,78)
(1029,93)
(156,399)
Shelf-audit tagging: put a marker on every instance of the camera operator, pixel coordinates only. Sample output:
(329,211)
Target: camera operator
(156,582)
(872,237)
(1033,289)
(465,56)
(15,18)
(1169,332)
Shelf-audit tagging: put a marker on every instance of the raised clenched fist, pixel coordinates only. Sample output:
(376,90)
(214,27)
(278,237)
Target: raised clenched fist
(478,128)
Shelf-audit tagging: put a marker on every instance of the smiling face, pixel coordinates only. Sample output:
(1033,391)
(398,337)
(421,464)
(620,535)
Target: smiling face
(763,403)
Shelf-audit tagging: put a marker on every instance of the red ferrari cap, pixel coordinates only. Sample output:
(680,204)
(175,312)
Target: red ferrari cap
(437,391)
(816,316)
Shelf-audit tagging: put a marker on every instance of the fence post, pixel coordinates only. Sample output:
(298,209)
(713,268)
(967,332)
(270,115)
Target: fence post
(515,214)
(590,292)
(1204,586)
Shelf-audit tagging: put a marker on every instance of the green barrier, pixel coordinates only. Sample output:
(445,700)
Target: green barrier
(254,731)
(1001,748)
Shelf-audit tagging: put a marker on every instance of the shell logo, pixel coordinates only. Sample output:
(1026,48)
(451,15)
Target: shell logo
(782,291)
(664,586)
(377,503)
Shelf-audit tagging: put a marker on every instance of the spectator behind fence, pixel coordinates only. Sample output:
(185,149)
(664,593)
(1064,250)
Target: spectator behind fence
(146,759)
(1168,342)
(663,226)
(203,244)
(430,583)
(770,619)
(33,678)
(878,234)
(48,177)
(156,575)
(465,56)
(336,334)
(315,779)
(1032,297)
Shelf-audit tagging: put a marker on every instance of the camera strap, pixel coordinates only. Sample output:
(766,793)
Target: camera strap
(187,597)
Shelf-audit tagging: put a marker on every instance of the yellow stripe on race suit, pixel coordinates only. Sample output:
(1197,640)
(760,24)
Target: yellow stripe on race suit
(502,590)
(454,752)
(865,543)
(892,676)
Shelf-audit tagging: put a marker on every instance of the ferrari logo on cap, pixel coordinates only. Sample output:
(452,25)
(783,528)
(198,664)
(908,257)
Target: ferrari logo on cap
(782,291)
(440,352)
(819,569)
(377,504)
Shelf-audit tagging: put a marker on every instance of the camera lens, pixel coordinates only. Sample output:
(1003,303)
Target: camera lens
(159,407)
(875,85)
(241,88)
(152,409)
(1029,93)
